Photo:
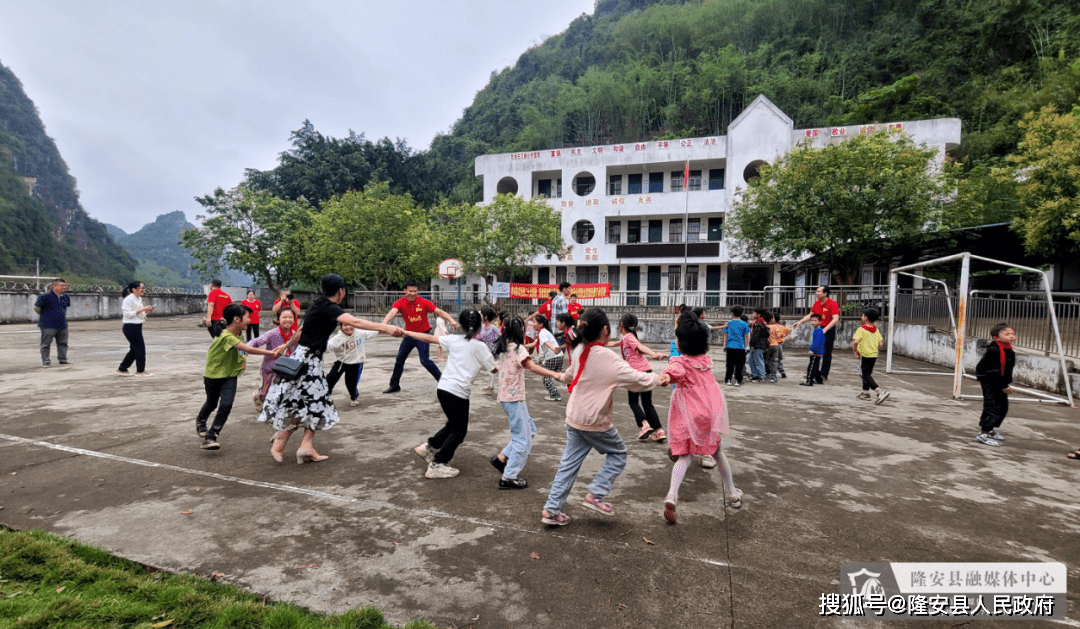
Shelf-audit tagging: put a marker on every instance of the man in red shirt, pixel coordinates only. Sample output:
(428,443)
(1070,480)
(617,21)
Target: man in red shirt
(545,309)
(574,308)
(215,308)
(414,311)
(829,312)
(285,299)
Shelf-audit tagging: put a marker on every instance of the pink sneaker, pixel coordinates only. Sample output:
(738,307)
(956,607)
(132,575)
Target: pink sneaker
(658,436)
(646,430)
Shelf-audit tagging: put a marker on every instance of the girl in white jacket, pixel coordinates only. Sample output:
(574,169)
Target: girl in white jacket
(347,345)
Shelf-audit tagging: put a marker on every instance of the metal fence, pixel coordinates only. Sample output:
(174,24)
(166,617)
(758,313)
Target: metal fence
(1029,314)
(30,286)
(787,301)
(925,306)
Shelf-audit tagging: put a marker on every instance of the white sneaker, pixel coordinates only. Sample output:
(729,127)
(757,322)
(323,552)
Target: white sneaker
(996,436)
(552,399)
(425,452)
(355,402)
(708,462)
(438,470)
(882,395)
(987,439)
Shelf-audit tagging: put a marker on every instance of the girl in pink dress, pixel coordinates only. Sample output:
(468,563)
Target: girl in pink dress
(698,415)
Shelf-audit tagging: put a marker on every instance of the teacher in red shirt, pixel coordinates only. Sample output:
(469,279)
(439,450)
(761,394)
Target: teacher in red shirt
(829,312)
(414,310)
(215,307)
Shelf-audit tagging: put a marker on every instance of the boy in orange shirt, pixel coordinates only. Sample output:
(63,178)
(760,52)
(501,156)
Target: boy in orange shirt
(774,356)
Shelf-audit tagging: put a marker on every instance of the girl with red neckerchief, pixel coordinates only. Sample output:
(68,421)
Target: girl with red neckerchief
(274,338)
(593,375)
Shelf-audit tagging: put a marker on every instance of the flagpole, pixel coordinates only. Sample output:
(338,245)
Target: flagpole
(686,226)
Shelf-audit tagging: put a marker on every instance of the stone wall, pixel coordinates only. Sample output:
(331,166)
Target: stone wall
(19,307)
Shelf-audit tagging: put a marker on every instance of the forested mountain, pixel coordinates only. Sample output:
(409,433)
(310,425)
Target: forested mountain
(40,215)
(640,69)
(163,261)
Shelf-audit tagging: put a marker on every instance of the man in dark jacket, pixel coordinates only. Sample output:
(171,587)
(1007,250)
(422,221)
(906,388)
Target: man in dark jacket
(995,374)
(52,306)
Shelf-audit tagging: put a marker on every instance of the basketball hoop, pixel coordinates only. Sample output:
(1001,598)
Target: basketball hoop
(450,268)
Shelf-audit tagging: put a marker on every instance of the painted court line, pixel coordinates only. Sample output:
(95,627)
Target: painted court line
(374,503)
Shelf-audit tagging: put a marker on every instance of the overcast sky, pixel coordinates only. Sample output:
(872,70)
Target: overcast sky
(155,103)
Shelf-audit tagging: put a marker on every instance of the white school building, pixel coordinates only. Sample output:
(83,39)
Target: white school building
(627,220)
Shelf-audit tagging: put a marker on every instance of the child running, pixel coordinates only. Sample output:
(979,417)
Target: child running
(349,351)
(224,364)
(995,374)
(634,353)
(440,331)
(550,355)
(698,415)
(817,350)
(594,374)
(512,360)
(467,356)
(867,342)
(274,338)
(489,335)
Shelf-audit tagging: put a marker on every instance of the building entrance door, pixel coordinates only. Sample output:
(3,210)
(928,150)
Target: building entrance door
(712,285)
(633,285)
(653,297)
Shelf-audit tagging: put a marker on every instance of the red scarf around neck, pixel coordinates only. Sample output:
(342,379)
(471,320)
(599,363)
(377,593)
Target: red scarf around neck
(869,328)
(581,367)
(1003,347)
(286,333)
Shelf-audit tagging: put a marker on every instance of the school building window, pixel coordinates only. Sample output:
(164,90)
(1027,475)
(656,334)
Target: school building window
(695,180)
(613,276)
(633,230)
(615,185)
(716,228)
(716,179)
(691,277)
(614,232)
(588,274)
(633,183)
(693,230)
(676,180)
(656,183)
(656,231)
(543,275)
(543,188)
(560,274)
(673,278)
(675,230)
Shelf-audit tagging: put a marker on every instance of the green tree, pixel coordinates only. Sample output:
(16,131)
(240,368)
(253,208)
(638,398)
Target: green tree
(845,203)
(1048,171)
(252,232)
(372,238)
(501,238)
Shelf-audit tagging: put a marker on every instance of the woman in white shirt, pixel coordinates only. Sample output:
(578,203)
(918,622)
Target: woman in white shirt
(134,315)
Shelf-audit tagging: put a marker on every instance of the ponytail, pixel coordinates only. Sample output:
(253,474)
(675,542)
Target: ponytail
(629,323)
(470,321)
(132,287)
(513,332)
(590,327)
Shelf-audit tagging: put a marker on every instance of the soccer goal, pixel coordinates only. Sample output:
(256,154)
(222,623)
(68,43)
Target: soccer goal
(959,326)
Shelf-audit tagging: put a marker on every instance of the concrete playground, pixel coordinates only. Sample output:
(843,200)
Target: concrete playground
(828,480)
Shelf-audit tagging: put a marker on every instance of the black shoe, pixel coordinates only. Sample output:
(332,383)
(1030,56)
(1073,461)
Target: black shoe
(819,381)
(517,483)
(806,384)
(783,375)
(210,444)
(394,389)
(200,428)
(498,463)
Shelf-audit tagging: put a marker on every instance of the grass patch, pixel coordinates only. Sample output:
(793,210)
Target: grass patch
(52,582)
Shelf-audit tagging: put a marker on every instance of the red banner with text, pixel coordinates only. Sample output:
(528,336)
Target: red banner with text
(540,291)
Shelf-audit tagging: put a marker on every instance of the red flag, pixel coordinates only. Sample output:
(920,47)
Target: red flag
(686,176)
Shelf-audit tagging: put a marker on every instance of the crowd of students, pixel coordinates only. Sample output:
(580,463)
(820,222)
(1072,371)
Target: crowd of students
(578,356)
